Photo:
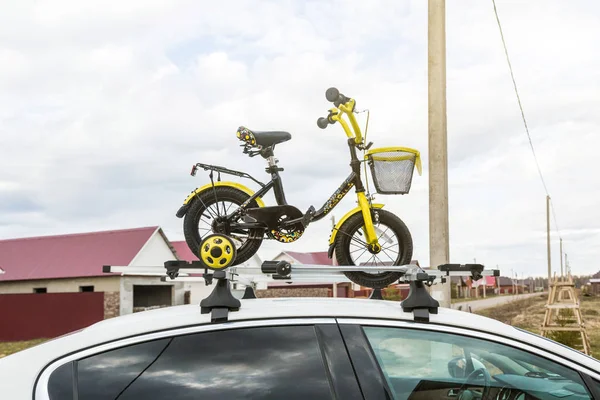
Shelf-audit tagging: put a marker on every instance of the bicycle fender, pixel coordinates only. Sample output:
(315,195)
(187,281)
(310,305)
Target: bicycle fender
(188,201)
(350,213)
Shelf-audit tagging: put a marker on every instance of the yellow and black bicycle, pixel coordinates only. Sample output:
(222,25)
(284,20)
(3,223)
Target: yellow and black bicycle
(367,235)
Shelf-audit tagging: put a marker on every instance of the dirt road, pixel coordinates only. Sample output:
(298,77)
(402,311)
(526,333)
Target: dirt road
(478,304)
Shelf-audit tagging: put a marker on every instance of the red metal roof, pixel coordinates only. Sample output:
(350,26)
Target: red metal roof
(183,251)
(318,257)
(489,281)
(70,256)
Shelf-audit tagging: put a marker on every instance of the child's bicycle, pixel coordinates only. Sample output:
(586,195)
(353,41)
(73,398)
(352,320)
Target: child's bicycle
(366,236)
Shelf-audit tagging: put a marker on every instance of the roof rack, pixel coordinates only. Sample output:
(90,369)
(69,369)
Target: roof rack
(221,301)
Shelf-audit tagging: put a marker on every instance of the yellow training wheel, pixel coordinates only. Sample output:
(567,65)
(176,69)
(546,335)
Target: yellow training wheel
(217,251)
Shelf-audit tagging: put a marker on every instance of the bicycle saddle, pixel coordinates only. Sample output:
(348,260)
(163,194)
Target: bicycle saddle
(262,138)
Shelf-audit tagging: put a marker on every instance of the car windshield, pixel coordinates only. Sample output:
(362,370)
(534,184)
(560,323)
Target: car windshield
(428,364)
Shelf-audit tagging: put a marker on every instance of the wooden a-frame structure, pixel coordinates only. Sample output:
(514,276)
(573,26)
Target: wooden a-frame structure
(562,295)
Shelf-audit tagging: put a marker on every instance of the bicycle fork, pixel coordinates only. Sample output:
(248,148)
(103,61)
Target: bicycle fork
(368,228)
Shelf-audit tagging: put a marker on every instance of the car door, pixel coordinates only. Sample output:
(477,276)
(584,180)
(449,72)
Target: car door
(272,359)
(426,361)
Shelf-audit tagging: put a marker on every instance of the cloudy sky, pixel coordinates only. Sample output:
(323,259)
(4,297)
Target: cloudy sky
(105,106)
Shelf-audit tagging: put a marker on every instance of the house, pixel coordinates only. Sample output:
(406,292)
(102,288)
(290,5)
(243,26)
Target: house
(467,288)
(484,286)
(59,283)
(508,285)
(594,286)
(505,285)
(73,263)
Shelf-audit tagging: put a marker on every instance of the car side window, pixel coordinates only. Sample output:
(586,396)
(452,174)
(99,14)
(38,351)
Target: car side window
(104,376)
(60,383)
(420,364)
(258,363)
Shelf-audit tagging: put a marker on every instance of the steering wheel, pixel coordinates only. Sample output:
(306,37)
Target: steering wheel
(466,394)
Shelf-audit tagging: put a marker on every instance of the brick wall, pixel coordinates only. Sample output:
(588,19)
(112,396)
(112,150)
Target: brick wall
(294,292)
(111,304)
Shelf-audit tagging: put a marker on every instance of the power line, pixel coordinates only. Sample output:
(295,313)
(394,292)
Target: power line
(524,119)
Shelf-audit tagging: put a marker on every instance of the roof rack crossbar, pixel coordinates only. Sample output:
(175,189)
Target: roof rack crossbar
(220,302)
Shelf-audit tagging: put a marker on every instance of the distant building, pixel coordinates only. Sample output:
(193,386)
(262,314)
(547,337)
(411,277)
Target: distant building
(73,263)
(594,286)
(465,287)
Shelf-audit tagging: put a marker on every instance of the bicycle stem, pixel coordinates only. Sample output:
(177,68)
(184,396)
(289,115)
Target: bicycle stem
(347,109)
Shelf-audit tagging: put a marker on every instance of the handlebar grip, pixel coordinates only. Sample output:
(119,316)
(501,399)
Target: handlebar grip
(333,95)
(322,122)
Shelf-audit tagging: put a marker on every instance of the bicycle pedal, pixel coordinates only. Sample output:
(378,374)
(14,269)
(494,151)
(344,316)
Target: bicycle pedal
(307,218)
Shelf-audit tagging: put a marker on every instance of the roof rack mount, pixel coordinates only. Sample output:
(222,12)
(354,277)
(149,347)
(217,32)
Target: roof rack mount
(221,301)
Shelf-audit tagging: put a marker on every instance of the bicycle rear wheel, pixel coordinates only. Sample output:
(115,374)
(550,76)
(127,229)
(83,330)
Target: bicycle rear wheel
(205,217)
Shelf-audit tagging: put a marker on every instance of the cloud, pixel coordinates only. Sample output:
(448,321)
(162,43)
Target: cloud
(104,108)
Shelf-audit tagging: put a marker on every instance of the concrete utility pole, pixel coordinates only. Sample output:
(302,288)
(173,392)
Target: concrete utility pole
(548,239)
(561,259)
(439,247)
(512,280)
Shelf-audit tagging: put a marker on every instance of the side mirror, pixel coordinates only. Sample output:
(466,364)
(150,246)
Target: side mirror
(457,367)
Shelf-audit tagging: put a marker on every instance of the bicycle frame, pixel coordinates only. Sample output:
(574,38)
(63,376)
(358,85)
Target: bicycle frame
(355,140)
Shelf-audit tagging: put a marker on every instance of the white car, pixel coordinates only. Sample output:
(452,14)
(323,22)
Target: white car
(300,348)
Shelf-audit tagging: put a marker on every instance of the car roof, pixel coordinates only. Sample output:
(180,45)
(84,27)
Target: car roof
(317,307)
(185,316)
(290,307)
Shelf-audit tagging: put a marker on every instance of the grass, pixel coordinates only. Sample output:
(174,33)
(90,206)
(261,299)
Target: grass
(529,314)
(8,348)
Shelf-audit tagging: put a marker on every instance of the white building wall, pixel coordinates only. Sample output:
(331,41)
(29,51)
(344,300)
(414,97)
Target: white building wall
(154,253)
(126,294)
(198,291)
(101,284)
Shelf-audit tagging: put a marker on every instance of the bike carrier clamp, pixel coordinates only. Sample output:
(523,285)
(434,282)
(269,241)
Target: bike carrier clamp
(220,302)
(419,300)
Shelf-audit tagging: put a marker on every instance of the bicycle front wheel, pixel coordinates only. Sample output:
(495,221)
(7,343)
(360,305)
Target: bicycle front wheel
(396,248)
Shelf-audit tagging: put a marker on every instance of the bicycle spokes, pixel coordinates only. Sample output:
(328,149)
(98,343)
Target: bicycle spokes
(388,254)
(213,220)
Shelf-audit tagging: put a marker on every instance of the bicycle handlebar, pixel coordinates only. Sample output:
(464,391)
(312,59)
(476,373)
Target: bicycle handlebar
(323,122)
(333,95)
(346,106)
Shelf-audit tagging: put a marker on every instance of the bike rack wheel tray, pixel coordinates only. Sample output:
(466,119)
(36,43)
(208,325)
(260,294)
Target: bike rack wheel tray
(221,301)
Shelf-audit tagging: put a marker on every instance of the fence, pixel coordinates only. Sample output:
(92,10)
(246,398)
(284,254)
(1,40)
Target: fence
(47,315)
